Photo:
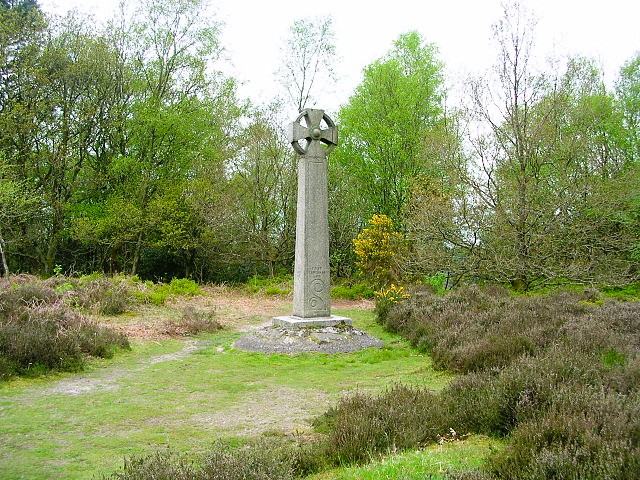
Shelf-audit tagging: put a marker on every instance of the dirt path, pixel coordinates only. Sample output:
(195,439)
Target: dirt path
(108,378)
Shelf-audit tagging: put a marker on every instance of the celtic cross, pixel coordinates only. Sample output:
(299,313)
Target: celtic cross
(313,135)
(313,132)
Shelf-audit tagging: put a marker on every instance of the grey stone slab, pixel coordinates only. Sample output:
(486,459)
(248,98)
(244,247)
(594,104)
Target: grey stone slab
(294,322)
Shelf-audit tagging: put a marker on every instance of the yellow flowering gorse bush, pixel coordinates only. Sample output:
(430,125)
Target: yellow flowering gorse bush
(377,248)
(386,297)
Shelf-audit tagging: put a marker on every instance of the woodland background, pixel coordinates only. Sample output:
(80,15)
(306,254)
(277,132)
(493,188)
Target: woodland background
(124,148)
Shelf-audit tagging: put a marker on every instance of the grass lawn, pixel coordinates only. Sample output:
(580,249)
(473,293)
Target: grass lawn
(186,394)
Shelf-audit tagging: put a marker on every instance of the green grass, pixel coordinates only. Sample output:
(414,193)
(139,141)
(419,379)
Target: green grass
(356,291)
(140,400)
(432,462)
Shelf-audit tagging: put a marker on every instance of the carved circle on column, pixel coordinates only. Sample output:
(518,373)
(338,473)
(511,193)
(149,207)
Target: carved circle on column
(316,301)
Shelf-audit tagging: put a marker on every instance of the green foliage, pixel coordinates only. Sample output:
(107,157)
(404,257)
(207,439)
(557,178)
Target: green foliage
(150,297)
(628,93)
(627,292)
(268,285)
(612,358)
(353,291)
(384,125)
(179,286)
(437,281)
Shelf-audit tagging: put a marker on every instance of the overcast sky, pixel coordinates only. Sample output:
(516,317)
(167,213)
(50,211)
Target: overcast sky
(254,31)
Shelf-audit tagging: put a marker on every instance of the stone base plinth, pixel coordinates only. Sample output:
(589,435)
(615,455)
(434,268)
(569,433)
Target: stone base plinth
(293,322)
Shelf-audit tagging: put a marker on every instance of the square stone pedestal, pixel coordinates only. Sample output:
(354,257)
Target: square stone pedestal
(293,322)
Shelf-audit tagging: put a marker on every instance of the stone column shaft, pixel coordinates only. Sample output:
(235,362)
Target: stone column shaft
(311,274)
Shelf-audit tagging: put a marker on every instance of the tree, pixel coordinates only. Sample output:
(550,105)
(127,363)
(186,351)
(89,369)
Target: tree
(385,124)
(22,27)
(17,209)
(81,99)
(307,58)
(551,149)
(181,111)
(162,161)
(56,112)
(264,179)
(628,93)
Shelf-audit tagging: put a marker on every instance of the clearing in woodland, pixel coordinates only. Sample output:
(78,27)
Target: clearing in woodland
(188,392)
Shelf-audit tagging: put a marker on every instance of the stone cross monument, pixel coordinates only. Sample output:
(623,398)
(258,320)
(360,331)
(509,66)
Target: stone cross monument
(313,140)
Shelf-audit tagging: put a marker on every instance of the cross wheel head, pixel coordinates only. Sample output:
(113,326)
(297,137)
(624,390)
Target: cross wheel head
(311,126)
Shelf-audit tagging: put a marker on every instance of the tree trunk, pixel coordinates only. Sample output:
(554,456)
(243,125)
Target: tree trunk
(136,254)
(5,267)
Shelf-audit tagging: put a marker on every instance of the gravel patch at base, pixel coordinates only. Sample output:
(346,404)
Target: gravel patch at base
(318,340)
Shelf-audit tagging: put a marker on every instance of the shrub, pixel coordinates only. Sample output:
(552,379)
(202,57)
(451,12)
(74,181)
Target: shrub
(39,332)
(16,298)
(164,465)
(474,329)
(386,298)
(252,462)
(179,286)
(261,461)
(193,321)
(378,249)
(560,379)
(586,434)
(364,426)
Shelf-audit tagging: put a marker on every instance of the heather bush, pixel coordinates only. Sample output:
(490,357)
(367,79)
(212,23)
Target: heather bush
(192,322)
(586,434)
(163,465)
(473,329)
(39,332)
(364,426)
(18,297)
(102,295)
(558,376)
(260,461)
(253,462)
